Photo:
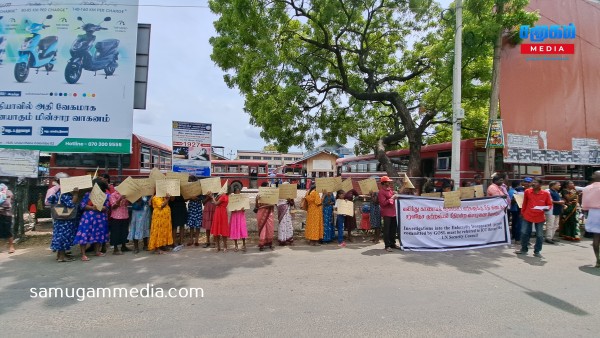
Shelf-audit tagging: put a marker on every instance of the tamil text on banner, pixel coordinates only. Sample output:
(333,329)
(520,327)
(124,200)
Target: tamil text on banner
(425,225)
(68,75)
(192,148)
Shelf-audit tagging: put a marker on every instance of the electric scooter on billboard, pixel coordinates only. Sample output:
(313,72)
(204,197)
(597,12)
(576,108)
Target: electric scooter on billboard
(2,46)
(36,52)
(105,56)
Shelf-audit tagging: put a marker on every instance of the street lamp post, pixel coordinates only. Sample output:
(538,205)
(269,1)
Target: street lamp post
(457,112)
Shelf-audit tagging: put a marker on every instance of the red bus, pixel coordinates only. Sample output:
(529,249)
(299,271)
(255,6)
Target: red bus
(145,155)
(437,158)
(241,173)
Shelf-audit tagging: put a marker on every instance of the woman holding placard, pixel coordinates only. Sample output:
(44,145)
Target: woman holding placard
(160,230)
(238,228)
(63,230)
(285,231)
(207,216)
(328,229)
(194,217)
(140,223)
(220,223)
(93,224)
(314,217)
(265,223)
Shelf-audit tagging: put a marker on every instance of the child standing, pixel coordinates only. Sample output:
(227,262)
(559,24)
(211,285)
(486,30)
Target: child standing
(238,228)
(339,222)
(365,218)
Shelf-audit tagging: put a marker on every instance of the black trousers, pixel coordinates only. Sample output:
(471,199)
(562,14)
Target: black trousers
(390,227)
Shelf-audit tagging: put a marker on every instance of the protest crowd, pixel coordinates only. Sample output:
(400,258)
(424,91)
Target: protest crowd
(169,223)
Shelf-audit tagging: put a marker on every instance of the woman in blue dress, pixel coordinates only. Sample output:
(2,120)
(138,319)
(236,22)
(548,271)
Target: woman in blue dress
(328,229)
(194,220)
(93,224)
(63,230)
(140,223)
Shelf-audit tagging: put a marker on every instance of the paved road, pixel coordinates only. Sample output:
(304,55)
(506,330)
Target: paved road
(306,291)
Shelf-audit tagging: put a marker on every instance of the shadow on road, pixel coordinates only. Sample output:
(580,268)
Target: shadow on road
(590,269)
(37,268)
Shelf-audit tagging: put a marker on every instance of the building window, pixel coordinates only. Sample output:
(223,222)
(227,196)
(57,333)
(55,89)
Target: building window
(244,169)
(372,167)
(233,169)
(144,160)
(245,157)
(267,158)
(262,170)
(218,169)
(256,157)
(288,158)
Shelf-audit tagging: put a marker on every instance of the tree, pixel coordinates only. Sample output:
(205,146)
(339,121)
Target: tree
(269,147)
(330,69)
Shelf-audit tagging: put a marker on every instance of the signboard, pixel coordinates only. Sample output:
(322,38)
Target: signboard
(192,148)
(425,225)
(52,101)
(495,137)
(19,163)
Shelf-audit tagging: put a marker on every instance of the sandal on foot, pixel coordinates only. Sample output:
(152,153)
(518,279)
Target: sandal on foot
(206,245)
(85,258)
(65,260)
(196,244)
(100,254)
(244,248)
(136,251)
(190,243)
(235,249)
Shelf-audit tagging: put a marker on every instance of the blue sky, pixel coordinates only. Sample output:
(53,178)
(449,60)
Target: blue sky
(184,84)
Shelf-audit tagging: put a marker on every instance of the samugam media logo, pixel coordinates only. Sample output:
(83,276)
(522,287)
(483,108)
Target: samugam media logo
(541,33)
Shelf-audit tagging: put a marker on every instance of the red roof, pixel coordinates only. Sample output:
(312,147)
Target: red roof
(153,143)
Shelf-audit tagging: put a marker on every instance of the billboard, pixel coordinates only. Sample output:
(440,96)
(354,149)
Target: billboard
(67,73)
(192,144)
(549,102)
(19,163)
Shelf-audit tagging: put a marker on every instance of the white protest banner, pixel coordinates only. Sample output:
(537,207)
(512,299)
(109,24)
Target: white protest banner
(238,202)
(425,225)
(98,197)
(131,189)
(168,186)
(69,184)
(212,185)
(345,207)
(19,163)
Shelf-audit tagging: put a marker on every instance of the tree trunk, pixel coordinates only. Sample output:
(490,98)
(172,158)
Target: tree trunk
(490,167)
(414,161)
(385,162)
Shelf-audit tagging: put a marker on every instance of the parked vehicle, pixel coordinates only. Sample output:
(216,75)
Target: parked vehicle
(104,56)
(36,52)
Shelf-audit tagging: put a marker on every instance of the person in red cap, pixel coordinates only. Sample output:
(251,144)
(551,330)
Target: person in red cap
(388,211)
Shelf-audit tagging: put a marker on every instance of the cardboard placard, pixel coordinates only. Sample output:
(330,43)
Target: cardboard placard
(288,191)
(519,199)
(98,197)
(212,185)
(68,184)
(182,177)
(191,189)
(147,187)
(130,188)
(347,185)
(466,192)
(168,186)
(345,207)
(155,175)
(479,191)
(337,183)
(325,183)
(407,183)
(431,194)
(238,202)
(223,189)
(268,195)
(451,199)
(367,186)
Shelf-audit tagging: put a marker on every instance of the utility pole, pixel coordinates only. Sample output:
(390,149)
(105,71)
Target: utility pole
(490,158)
(458,113)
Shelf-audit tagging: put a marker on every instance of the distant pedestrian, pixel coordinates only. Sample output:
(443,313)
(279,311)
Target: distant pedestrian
(569,220)
(6,216)
(591,204)
(515,212)
(535,201)
(553,217)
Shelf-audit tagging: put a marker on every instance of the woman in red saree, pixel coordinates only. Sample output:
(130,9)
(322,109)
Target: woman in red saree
(265,224)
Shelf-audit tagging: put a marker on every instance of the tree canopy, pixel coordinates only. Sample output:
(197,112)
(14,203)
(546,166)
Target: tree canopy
(376,70)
